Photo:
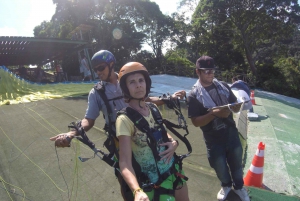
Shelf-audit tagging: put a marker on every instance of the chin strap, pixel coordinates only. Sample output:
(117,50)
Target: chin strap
(109,73)
(139,99)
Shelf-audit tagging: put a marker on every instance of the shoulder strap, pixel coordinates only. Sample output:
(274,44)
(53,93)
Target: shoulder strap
(141,123)
(100,88)
(158,119)
(111,143)
(155,113)
(138,120)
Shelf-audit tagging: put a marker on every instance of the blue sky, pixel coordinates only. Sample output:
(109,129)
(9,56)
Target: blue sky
(19,17)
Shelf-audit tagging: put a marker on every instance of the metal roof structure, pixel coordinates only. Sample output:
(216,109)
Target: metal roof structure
(30,50)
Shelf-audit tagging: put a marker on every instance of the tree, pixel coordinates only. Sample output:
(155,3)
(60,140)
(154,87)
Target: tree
(113,25)
(157,28)
(148,59)
(178,64)
(252,25)
(44,30)
(188,5)
(212,37)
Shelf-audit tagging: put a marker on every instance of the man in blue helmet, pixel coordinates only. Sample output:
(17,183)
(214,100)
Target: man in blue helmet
(103,63)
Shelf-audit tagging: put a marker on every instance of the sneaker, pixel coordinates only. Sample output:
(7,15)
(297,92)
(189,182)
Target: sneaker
(223,193)
(243,194)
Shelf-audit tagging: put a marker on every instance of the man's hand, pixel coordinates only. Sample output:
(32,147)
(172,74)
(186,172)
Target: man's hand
(221,113)
(166,98)
(62,140)
(181,94)
(235,108)
(168,153)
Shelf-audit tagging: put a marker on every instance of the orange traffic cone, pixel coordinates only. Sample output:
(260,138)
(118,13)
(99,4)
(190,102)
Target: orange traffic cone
(252,98)
(254,175)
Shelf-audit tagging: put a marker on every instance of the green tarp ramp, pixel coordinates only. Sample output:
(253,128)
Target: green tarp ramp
(31,168)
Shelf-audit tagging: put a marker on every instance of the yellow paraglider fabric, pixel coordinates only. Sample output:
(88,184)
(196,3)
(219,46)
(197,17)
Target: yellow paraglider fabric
(14,90)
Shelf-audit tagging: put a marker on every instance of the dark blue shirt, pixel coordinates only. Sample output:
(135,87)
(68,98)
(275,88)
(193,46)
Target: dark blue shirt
(195,108)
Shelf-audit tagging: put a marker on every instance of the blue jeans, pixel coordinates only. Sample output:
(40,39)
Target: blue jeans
(229,153)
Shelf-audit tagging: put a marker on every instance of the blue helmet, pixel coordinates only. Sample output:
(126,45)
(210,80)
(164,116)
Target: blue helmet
(102,56)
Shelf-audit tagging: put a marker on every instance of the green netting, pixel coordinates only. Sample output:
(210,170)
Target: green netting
(257,194)
(284,117)
(30,169)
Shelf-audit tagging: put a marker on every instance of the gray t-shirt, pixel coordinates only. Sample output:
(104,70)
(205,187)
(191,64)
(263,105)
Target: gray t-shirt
(96,104)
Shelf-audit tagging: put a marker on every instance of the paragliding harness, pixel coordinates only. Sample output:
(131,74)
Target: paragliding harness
(141,123)
(112,143)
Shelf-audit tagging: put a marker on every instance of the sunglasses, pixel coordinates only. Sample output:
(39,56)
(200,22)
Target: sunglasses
(100,68)
(208,71)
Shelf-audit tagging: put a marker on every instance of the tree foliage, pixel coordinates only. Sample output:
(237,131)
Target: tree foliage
(250,26)
(254,37)
(121,26)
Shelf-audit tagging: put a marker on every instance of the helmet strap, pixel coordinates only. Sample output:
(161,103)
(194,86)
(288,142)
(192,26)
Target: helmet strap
(109,73)
(139,99)
(142,99)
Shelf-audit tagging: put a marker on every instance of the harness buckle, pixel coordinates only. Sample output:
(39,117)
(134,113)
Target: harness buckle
(178,174)
(151,185)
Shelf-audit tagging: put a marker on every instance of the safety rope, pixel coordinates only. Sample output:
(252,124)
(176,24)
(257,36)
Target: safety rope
(30,159)
(51,131)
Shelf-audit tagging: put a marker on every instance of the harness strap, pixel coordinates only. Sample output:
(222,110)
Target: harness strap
(171,127)
(84,139)
(174,104)
(100,88)
(176,173)
(116,98)
(110,141)
(141,123)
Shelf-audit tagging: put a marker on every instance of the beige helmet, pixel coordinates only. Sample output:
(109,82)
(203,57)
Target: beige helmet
(131,68)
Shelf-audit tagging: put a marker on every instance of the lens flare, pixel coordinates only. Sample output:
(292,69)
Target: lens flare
(117,33)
